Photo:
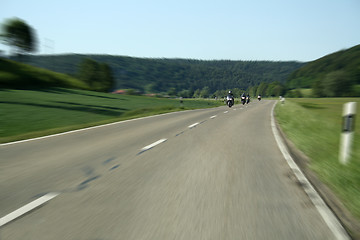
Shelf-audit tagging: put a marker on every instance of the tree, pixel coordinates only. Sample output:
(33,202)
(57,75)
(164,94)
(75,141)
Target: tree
(172,92)
(356,75)
(261,90)
(205,92)
(97,75)
(318,88)
(106,77)
(252,90)
(197,93)
(275,89)
(220,93)
(19,35)
(150,88)
(88,71)
(185,93)
(337,84)
(237,92)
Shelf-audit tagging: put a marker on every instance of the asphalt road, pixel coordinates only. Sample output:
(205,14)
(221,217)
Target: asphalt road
(215,174)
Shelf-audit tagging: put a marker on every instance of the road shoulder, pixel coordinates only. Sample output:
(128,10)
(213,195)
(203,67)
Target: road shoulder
(349,222)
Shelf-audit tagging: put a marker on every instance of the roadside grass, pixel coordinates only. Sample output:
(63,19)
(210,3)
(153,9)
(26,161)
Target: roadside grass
(314,126)
(33,113)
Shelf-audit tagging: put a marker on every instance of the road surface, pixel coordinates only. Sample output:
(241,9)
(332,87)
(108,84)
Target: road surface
(202,174)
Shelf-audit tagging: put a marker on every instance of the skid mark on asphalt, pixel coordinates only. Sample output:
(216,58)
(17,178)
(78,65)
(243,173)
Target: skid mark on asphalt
(44,197)
(85,183)
(114,167)
(202,122)
(178,134)
(88,170)
(108,160)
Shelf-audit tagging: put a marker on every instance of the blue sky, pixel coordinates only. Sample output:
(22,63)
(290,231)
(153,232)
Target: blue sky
(276,30)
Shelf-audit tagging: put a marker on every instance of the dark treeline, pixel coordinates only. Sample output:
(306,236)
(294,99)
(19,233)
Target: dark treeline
(175,75)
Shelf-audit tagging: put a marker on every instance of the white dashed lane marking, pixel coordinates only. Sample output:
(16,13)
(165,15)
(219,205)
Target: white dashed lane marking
(27,208)
(193,125)
(153,144)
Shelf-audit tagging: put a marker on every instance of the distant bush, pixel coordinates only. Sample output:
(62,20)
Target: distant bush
(296,93)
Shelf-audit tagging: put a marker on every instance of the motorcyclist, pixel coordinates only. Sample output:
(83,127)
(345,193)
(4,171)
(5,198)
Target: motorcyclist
(231,96)
(243,98)
(247,98)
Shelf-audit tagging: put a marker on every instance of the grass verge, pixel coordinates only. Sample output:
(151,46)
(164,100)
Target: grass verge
(314,126)
(33,113)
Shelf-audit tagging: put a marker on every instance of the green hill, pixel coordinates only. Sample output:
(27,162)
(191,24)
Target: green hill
(19,75)
(161,75)
(338,70)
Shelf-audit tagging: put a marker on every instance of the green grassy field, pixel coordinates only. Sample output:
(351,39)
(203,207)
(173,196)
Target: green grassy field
(33,113)
(314,126)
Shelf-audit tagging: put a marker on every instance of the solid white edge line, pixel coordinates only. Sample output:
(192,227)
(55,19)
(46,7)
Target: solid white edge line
(328,216)
(153,144)
(27,208)
(193,125)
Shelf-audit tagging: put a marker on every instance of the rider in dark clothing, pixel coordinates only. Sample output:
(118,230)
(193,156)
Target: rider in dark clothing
(243,98)
(231,95)
(247,98)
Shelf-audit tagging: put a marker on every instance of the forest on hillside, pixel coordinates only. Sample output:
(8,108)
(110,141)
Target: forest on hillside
(150,75)
(334,75)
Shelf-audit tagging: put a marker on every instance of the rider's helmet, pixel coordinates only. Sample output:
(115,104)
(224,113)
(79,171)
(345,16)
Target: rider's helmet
(230,92)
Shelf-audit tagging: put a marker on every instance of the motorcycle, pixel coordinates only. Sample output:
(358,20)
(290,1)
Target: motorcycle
(259,98)
(247,99)
(243,100)
(229,101)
